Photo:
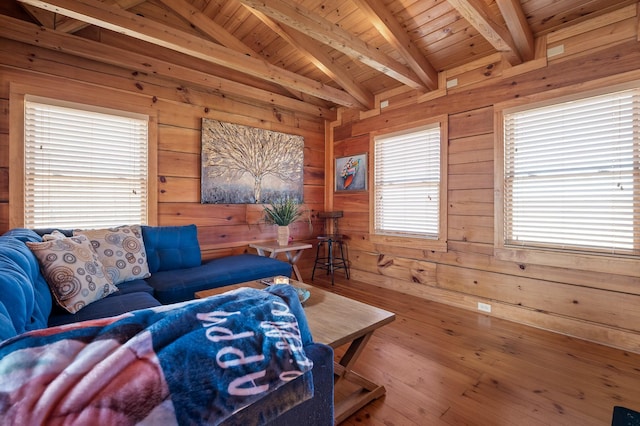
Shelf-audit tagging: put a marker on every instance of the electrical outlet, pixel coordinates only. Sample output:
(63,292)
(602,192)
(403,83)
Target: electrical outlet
(484,307)
(555,51)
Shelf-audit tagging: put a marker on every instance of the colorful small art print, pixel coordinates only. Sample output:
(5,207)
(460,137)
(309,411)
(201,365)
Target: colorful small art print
(351,173)
(249,165)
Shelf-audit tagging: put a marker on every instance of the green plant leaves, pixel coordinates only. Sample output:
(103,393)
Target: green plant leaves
(283,212)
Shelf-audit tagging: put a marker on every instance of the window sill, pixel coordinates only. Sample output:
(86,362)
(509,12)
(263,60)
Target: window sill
(621,265)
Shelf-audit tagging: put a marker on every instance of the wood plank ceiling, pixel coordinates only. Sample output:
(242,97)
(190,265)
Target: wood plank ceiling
(312,55)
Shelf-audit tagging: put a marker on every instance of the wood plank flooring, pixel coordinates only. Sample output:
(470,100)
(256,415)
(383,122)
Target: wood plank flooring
(447,366)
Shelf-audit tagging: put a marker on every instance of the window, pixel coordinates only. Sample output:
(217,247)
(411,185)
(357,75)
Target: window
(84,167)
(572,177)
(408,184)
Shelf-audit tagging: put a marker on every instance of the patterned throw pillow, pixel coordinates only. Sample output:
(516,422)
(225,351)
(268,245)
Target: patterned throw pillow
(121,251)
(72,269)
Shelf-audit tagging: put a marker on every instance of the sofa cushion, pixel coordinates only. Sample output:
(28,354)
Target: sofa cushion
(181,284)
(171,247)
(25,298)
(134,286)
(112,305)
(121,250)
(72,270)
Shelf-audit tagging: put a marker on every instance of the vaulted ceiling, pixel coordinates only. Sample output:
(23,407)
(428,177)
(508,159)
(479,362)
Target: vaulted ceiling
(321,53)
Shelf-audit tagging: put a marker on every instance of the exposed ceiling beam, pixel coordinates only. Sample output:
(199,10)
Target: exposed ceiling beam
(69,25)
(518,27)
(15,29)
(208,26)
(312,50)
(325,32)
(216,32)
(389,27)
(480,17)
(44,17)
(115,19)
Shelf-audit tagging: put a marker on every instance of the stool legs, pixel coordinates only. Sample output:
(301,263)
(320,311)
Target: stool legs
(330,262)
(318,259)
(343,260)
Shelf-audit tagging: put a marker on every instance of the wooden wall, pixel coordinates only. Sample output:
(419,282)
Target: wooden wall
(222,229)
(599,306)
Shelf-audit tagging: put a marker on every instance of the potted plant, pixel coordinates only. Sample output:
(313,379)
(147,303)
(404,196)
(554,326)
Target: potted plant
(283,212)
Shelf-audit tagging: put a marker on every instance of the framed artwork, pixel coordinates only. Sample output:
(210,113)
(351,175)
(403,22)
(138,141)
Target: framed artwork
(248,165)
(351,173)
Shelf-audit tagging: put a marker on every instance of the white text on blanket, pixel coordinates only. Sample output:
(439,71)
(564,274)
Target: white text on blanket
(287,333)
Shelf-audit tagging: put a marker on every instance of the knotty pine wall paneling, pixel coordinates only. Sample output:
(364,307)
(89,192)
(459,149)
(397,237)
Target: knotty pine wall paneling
(597,306)
(222,229)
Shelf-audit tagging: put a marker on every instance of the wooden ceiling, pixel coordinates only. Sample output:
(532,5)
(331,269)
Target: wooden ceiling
(322,53)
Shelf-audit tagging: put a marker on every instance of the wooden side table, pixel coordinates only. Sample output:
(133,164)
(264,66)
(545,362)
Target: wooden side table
(292,251)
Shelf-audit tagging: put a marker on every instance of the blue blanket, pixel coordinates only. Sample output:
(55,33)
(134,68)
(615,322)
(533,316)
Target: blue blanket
(196,362)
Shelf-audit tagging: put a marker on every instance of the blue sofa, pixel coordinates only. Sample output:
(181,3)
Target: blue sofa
(27,305)
(177,273)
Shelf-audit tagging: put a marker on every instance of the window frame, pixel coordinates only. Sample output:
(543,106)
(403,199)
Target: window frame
(438,244)
(556,257)
(79,94)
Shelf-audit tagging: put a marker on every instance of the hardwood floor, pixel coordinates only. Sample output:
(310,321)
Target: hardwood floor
(446,366)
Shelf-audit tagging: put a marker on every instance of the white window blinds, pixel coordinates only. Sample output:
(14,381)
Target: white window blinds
(407,184)
(571,175)
(83,169)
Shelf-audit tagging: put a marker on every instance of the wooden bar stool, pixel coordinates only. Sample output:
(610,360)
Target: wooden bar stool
(330,250)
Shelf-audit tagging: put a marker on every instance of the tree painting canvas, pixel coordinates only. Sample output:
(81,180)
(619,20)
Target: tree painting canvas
(247,165)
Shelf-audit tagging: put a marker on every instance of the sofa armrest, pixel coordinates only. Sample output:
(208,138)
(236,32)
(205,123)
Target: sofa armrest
(317,411)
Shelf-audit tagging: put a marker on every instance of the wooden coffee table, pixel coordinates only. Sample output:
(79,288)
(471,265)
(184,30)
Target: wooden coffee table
(336,321)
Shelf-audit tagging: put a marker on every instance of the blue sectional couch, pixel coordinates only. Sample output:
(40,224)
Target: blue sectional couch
(176,273)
